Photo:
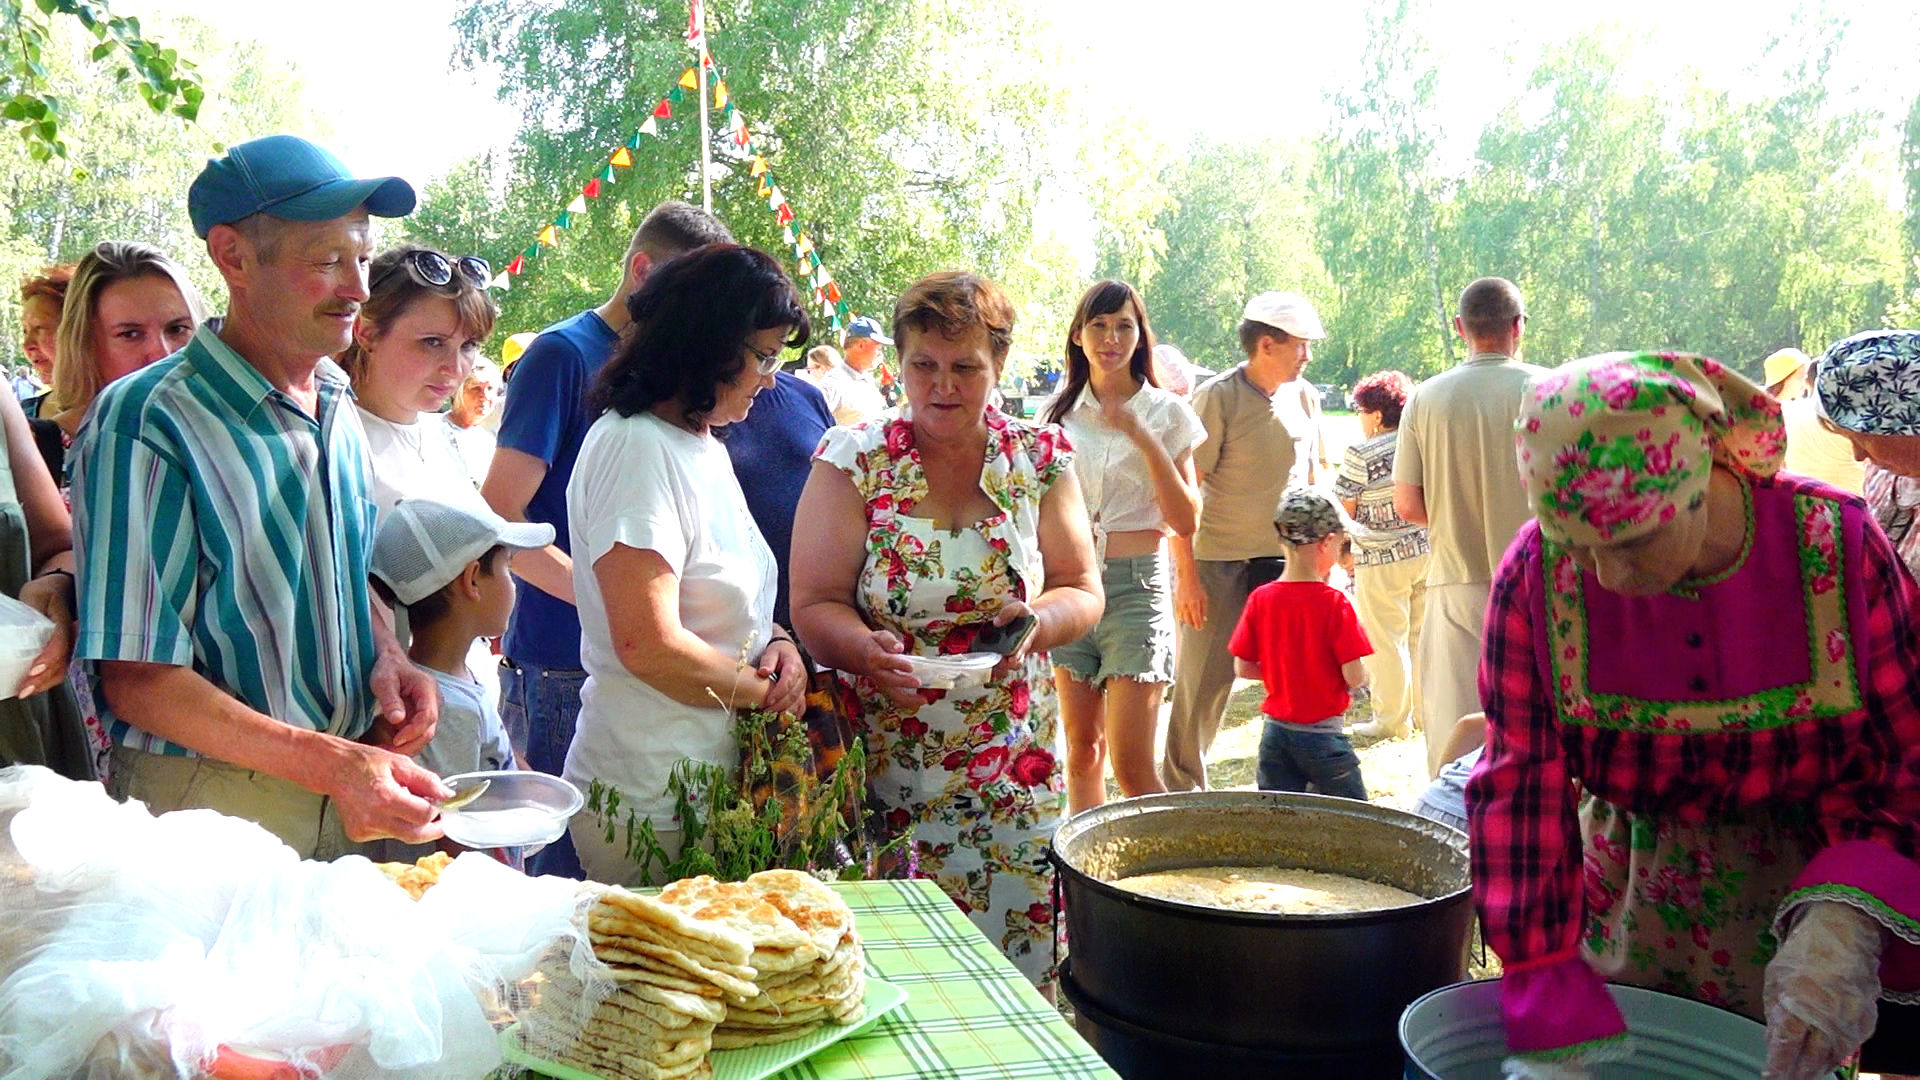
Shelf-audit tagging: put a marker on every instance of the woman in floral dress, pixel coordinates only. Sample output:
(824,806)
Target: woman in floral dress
(1702,770)
(916,533)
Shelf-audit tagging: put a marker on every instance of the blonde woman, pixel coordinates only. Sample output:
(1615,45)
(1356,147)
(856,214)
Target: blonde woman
(127,306)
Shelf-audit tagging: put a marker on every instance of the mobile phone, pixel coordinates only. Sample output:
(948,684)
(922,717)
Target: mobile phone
(1006,640)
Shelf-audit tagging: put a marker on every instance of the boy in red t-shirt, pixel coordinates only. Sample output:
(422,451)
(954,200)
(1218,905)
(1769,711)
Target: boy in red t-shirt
(1299,636)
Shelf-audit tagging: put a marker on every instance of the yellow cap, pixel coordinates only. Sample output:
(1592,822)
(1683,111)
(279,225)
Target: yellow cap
(518,343)
(1782,364)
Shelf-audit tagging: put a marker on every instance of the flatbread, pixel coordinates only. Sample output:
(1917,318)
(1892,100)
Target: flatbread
(614,1066)
(636,966)
(632,950)
(724,934)
(738,907)
(808,904)
(724,1039)
(605,922)
(638,994)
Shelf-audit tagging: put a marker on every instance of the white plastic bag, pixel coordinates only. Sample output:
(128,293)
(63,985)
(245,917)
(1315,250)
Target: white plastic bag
(132,938)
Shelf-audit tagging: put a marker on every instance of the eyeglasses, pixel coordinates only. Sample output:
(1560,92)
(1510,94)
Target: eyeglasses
(435,270)
(769,362)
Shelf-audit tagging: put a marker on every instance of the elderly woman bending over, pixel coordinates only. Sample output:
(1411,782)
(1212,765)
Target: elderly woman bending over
(915,535)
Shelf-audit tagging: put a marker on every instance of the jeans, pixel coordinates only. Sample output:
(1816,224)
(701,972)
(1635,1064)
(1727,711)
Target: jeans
(539,707)
(1321,761)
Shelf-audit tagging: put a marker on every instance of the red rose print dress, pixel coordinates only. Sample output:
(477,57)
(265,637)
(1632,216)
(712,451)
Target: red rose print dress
(971,772)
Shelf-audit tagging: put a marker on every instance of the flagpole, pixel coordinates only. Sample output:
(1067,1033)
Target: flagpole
(698,33)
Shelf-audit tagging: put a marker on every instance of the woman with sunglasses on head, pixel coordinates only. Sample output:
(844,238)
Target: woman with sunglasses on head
(417,337)
(674,583)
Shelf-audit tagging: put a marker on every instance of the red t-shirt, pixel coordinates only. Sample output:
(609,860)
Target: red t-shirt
(1300,633)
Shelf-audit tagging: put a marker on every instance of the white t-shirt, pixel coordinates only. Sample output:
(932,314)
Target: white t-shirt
(476,445)
(1112,472)
(853,397)
(642,482)
(420,460)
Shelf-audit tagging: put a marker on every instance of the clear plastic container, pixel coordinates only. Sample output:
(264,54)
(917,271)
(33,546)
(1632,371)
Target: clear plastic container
(965,671)
(23,633)
(518,809)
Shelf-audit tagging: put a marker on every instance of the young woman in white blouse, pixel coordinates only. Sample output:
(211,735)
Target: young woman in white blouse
(416,339)
(1133,444)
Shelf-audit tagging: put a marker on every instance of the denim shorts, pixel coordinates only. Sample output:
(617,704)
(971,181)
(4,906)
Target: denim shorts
(1134,638)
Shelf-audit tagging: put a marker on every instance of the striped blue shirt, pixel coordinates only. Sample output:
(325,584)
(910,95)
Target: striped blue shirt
(219,526)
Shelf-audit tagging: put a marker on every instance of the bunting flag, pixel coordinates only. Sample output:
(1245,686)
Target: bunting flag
(547,236)
(676,95)
(501,281)
(651,126)
(690,79)
(607,175)
(805,244)
(663,111)
(763,190)
(592,190)
(759,166)
(578,205)
(622,158)
(517,266)
(719,95)
(634,142)
(697,27)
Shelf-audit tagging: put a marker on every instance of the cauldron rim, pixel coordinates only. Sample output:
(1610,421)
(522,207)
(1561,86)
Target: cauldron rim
(1144,804)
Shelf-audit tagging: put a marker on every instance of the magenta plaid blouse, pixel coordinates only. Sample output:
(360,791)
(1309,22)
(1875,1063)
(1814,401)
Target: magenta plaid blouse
(1789,682)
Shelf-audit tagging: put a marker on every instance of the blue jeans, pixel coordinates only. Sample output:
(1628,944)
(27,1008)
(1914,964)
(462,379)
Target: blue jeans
(1321,761)
(539,707)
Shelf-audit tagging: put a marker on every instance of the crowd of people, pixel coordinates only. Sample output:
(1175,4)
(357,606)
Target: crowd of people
(297,576)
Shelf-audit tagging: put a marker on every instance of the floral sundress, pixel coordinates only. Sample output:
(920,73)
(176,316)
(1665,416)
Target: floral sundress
(972,773)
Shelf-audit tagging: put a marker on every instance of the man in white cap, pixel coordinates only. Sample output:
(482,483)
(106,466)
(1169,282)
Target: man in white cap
(1243,467)
(1454,471)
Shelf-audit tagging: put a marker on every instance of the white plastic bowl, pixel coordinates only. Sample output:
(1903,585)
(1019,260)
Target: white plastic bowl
(23,633)
(965,671)
(518,809)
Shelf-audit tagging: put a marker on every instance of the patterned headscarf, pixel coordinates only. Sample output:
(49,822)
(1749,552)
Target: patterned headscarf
(1870,383)
(1612,447)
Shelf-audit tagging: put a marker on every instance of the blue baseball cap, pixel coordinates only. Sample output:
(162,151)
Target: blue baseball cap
(288,177)
(864,326)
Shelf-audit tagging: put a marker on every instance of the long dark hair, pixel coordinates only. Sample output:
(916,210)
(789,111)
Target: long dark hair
(691,321)
(1105,298)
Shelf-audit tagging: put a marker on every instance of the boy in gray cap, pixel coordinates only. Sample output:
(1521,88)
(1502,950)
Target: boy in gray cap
(1300,637)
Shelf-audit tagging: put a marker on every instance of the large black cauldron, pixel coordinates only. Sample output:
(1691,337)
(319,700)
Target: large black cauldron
(1306,987)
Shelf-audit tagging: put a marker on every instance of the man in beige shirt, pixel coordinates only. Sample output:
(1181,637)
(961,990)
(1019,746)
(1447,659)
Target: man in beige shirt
(1242,466)
(1454,471)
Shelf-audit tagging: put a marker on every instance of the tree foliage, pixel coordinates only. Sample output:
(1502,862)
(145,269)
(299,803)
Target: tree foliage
(28,101)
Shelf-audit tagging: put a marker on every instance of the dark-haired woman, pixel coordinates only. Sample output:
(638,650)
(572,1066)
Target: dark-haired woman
(674,584)
(1133,454)
(1390,556)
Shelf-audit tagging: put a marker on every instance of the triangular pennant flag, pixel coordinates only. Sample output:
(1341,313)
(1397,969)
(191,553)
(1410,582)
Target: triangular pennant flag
(822,278)
(634,142)
(734,120)
(785,214)
(676,95)
(759,166)
(719,95)
(764,189)
(501,281)
(592,190)
(663,111)
(533,250)
(805,244)
(547,236)
(578,205)
(706,60)
(607,175)
(775,198)
(787,235)
(743,136)
(845,309)
(622,158)
(518,265)
(689,79)
(563,220)
(651,126)
(815,256)
(836,325)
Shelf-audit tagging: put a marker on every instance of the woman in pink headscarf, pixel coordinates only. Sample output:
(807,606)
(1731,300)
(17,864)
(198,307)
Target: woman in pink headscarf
(1703,735)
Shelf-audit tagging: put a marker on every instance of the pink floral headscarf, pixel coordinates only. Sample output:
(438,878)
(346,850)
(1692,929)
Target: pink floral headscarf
(1612,447)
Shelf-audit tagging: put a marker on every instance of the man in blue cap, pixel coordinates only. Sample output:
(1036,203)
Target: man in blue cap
(861,346)
(223,518)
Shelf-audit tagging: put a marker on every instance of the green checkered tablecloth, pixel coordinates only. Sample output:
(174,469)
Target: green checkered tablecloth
(970,1015)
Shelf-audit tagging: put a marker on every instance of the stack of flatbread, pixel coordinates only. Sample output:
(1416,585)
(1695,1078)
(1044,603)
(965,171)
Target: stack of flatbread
(704,965)
(809,967)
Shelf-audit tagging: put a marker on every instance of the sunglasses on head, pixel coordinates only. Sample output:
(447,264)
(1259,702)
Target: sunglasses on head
(433,269)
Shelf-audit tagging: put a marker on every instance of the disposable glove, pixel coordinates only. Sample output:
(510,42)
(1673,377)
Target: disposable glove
(1821,991)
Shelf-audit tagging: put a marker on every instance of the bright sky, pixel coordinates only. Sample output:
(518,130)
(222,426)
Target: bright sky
(1214,67)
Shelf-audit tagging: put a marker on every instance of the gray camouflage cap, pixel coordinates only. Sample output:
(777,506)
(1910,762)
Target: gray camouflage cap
(1307,516)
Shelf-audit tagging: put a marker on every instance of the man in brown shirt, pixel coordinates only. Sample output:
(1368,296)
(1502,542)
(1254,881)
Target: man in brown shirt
(1454,471)
(1242,466)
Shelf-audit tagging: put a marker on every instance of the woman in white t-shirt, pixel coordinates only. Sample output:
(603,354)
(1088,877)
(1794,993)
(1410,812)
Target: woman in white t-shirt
(1133,454)
(415,341)
(417,337)
(673,581)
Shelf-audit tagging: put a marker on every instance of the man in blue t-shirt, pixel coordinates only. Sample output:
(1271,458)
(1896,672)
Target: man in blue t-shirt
(772,452)
(541,427)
